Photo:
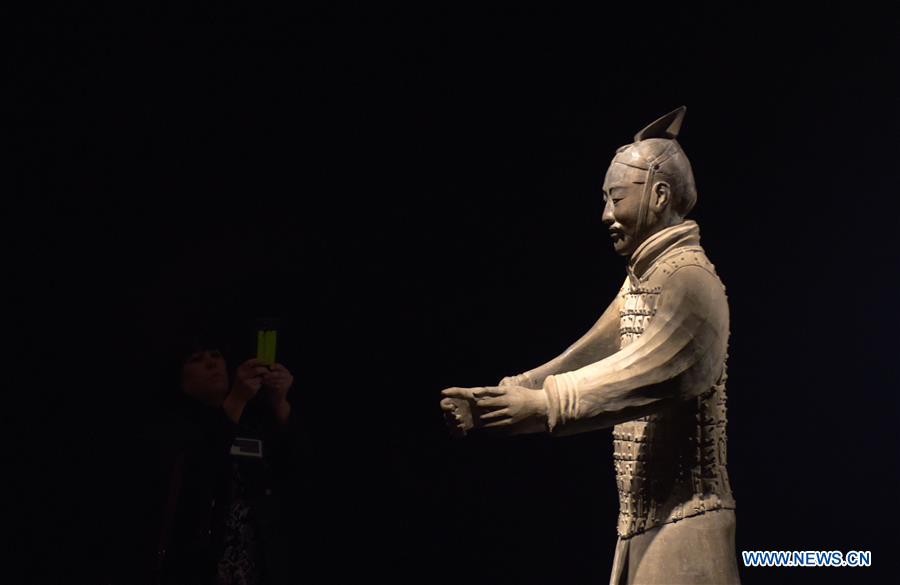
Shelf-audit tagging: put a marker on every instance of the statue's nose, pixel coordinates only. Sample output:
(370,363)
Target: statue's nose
(608,217)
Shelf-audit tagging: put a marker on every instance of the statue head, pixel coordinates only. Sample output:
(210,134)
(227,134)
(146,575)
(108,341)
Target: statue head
(649,185)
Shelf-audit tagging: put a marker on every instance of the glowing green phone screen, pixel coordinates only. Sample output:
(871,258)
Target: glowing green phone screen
(265,346)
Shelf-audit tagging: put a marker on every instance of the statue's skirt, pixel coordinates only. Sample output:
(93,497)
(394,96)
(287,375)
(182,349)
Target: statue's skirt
(695,550)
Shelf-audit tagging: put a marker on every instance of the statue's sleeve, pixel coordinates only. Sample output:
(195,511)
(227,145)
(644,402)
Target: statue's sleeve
(600,341)
(680,355)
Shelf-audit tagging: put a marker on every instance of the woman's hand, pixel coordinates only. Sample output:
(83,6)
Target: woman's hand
(248,380)
(278,381)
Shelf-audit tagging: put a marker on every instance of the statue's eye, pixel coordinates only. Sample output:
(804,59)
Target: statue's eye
(615,194)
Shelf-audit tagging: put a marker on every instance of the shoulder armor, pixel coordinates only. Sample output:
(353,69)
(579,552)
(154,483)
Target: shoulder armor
(679,258)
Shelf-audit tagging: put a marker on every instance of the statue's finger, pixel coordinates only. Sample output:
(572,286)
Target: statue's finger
(491,402)
(488,391)
(500,423)
(495,414)
(465,393)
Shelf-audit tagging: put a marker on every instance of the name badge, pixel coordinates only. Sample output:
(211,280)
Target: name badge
(244,447)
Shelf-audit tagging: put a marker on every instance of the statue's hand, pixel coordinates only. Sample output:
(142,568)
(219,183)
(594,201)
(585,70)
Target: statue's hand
(515,409)
(518,380)
(457,407)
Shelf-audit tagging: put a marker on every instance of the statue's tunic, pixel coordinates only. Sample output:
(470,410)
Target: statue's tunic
(664,392)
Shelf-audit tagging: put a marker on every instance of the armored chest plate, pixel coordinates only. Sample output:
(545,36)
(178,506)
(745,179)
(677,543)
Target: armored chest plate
(669,465)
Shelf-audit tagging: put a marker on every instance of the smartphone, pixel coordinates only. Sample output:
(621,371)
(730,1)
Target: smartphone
(266,339)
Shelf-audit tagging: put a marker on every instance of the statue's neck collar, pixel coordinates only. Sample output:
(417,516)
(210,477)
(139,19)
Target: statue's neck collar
(686,233)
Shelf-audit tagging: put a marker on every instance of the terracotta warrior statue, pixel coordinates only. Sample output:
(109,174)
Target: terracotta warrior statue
(652,368)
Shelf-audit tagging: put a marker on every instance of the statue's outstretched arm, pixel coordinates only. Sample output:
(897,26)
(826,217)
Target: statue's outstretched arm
(600,341)
(680,355)
(528,401)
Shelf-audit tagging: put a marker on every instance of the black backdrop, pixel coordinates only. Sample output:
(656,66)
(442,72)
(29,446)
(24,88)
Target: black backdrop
(412,194)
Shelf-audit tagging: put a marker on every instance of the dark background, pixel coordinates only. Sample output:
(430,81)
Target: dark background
(417,195)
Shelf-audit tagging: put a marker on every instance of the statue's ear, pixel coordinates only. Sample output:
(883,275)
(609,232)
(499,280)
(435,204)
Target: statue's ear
(666,127)
(663,195)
